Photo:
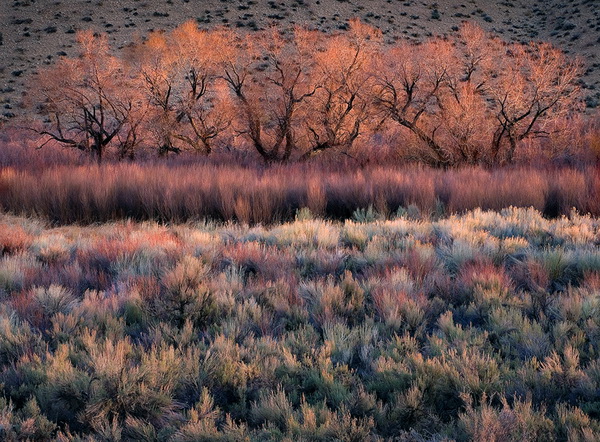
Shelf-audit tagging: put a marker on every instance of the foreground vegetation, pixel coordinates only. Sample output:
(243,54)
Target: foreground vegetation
(483,326)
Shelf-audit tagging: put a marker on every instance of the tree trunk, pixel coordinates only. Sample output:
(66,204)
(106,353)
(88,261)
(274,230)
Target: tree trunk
(443,159)
(99,151)
(510,158)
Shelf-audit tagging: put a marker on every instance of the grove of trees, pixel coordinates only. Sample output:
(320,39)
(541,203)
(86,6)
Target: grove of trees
(470,98)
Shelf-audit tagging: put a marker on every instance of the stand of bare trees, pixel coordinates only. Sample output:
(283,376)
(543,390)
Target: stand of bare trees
(467,99)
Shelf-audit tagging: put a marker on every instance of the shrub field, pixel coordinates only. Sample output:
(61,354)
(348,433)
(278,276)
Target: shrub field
(210,233)
(483,326)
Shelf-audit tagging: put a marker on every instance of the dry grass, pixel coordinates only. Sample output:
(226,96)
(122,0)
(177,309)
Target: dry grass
(180,192)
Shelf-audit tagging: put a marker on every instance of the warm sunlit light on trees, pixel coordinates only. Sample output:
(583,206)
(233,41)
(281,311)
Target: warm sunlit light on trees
(91,102)
(467,99)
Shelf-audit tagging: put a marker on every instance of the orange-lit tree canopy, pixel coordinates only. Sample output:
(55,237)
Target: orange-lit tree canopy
(467,99)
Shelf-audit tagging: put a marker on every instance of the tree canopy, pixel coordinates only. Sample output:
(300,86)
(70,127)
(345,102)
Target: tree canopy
(470,98)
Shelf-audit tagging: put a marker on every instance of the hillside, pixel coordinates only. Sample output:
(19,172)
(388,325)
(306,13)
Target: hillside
(34,33)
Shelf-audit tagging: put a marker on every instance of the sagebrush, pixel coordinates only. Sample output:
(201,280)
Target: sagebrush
(477,327)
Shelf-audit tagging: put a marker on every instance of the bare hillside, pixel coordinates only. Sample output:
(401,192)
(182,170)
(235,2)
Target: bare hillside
(33,33)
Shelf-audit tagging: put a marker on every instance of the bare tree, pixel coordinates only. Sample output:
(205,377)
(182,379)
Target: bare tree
(178,73)
(304,93)
(157,72)
(473,98)
(468,99)
(410,81)
(202,105)
(343,106)
(88,100)
(531,87)
(271,78)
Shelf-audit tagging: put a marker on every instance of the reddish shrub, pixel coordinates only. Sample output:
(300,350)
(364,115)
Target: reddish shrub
(13,239)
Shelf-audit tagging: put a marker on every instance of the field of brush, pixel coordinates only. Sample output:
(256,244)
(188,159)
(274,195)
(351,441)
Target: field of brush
(480,326)
(296,220)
